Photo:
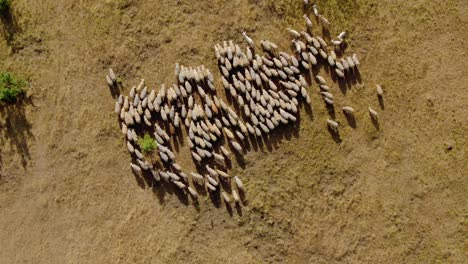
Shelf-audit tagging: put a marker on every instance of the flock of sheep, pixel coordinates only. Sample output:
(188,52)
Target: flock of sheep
(266,86)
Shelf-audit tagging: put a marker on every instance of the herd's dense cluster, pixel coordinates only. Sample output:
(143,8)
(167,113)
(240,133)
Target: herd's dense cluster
(266,86)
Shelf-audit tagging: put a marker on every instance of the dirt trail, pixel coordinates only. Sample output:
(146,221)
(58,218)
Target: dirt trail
(394,195)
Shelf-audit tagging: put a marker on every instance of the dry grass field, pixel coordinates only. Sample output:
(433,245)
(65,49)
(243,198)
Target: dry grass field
(397,194)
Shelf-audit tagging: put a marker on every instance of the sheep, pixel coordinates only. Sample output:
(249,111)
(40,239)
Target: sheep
(324,21)
(192,192)
(140,85)
(236,146)
(327,95)
(211,180)
(222,174)
(218,157)
(345,65)
(156,175)
(331,61)
(323,54)
(130,147)
(308,22)
(239,183)
(348,110)
(373,114)
(316,13)
(176,166)
(211,171)
(248,40)
(236,197)
(321,80)
(209,186)
(333,125)
(135,168)
(179,184)
(124,128)
(164,175)
(197,176)
(350,62)
(143,165)
(379,90)
(163,156)
(109,81)
(226,197)
(355,59)
(339,73)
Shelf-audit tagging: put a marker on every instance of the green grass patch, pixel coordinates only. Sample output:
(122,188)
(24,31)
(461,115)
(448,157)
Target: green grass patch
(147,144)
(11,87)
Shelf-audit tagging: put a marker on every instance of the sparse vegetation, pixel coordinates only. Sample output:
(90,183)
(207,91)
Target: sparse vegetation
(11,87)
(147,144)
(4,6)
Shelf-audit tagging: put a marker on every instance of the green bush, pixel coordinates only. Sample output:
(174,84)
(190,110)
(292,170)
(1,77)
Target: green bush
(4,6)
(11,87)
(147,143)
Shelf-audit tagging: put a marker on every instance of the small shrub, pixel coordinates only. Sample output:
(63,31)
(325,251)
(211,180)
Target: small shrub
(11,87)
(147,143)
(4,6)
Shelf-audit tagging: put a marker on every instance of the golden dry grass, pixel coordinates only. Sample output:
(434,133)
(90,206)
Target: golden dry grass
(396,195)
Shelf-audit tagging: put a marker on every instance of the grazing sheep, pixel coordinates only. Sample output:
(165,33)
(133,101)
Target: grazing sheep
(379,90)
(248,40)
(308,22)
(348,110)
(316,13)
(332,124)
(373,114)
(236,196)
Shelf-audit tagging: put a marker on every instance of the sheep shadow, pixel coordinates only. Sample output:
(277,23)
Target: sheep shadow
(16,129)
(335,135)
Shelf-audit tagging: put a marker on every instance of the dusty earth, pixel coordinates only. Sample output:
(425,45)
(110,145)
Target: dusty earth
(393,195)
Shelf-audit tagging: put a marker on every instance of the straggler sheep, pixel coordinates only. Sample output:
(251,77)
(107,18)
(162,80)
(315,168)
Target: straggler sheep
(109,81)
(316,13)
(248,40)
(308,22)
(332,124)
(373,114)
(112,76)
(379,90)
(348,110)
(355,60)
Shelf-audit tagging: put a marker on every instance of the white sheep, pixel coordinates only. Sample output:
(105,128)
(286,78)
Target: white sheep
(249,40)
